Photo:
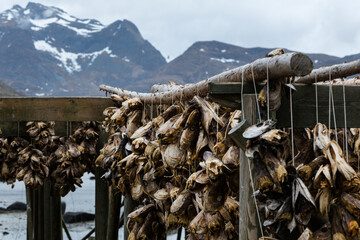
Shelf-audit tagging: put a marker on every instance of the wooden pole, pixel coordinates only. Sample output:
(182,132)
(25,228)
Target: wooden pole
(29,212)
(40,213)
(248,222)
(129,206)
(286,65)
(56,218)
(337,71)
(113,213)
(47,209)
(101,205)
(101,196)
(35,200)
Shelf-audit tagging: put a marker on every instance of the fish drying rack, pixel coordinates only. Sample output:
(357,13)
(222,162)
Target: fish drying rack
(44,219)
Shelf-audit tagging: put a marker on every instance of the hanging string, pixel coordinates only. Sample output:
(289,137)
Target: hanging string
(242,95)
(329,103)
(268,90)
(257,102)
(217,125)
(160,102)
(292,127)
(333,104)
(152,107)
(345,122)
(316,99)
(256,205)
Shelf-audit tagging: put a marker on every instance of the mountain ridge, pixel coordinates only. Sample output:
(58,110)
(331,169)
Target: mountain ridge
(45,51)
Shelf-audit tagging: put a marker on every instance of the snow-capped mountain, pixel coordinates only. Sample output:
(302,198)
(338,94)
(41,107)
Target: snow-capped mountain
(46,51)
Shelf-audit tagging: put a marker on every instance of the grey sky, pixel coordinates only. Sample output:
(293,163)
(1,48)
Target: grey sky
(325,26)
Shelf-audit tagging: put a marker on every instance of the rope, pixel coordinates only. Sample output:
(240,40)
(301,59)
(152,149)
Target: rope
(333,105)
(292,127)
(242,95)
(345,123)
(316,99)
(217,126)
(257,102)
(256,205)
(268,90)
(152,107)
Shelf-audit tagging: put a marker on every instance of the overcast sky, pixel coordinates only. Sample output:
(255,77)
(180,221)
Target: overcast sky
(325,26)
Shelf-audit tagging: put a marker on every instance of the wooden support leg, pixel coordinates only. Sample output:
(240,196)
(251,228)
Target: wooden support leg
(129,206)
(40,213)
(29,212)
(101,205)
(47,209)
(56,218)
(35,200)
(113,214)
(248,222)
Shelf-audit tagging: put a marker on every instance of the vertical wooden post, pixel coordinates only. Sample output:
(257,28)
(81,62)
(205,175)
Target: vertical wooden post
(40,213)
(35,200)
(101,205)
(29,212)
(129,206)
(56,216)
(101,196)
(113,213)
(248,223)
(47,209)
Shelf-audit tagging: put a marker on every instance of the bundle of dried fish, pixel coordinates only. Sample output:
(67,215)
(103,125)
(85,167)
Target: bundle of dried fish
(181,162)
(32,160)
(74,157)
(322,186)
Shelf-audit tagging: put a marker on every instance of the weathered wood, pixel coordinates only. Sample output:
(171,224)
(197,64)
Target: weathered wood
(229,88)
(129,206)
(89,234)
(337,71)
(304,106)
(101,205)
(53,109)
(248,222)
(29,213)
(35,216)
(47,210)
(289,64)
(56,218)
(40,214)
(236,134)
(114,213)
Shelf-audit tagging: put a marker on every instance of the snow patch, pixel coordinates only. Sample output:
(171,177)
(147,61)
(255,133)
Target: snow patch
(202,50)
(68,59)
(39,94)
(316,61)
(224,50)
(43,23)
(225,60)
(27,11)
(125,59)
(246,53)
(48,13)
(67,17)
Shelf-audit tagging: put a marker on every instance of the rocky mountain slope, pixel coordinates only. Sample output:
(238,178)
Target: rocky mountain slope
(44,51)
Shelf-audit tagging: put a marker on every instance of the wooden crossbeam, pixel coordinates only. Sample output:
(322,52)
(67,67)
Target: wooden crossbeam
(304,103)
(15,112)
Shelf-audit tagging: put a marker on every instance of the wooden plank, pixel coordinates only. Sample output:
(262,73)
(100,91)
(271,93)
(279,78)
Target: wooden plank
(304,106)
(233,88)
(35,216)
(47,209)
(40,215)
(29,213)
(56,216)
(248,222)
(53,109)
(113,213)
(101,205)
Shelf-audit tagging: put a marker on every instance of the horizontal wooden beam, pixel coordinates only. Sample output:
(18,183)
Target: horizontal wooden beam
(53,109)
(304,103)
